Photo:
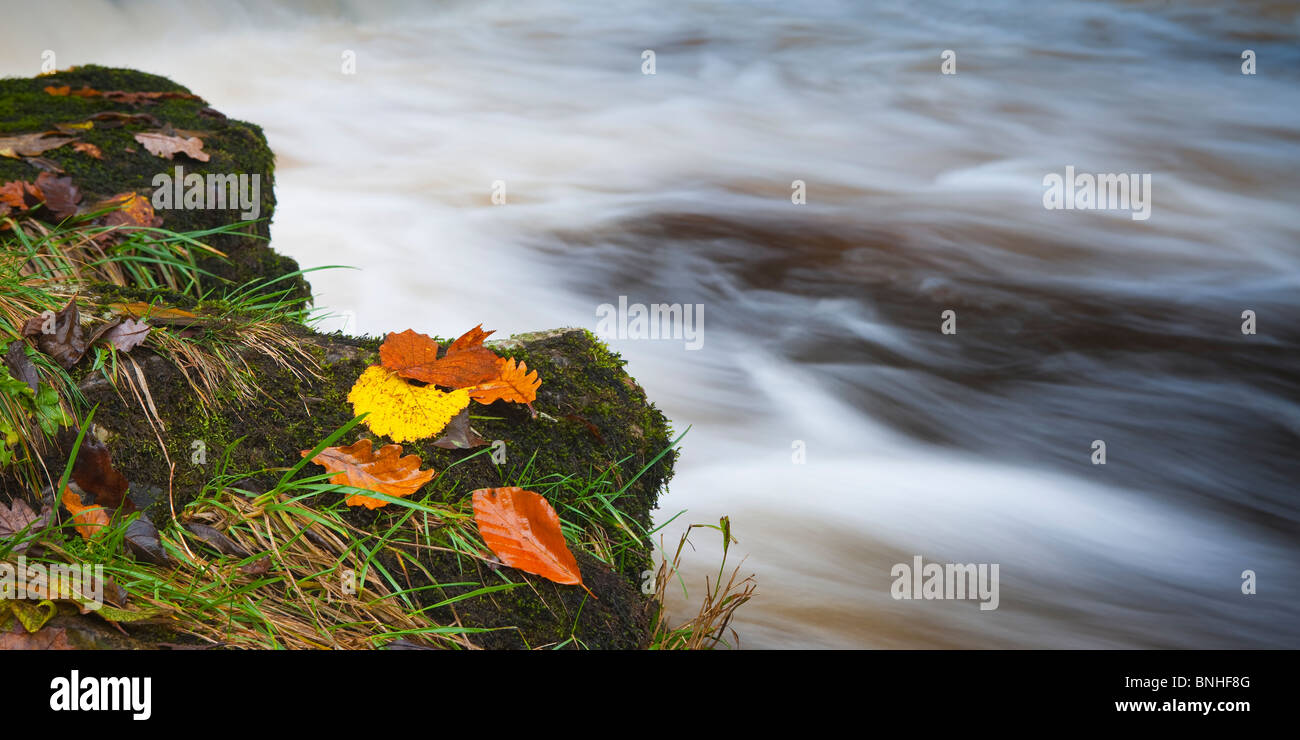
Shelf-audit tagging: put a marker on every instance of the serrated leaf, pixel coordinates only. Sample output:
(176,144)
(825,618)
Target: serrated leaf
(385,471)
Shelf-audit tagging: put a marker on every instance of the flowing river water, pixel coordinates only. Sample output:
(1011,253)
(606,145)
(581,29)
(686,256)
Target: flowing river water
(829,416)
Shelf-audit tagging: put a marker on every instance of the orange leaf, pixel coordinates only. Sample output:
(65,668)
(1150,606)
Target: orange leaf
(88,519)
(156,314)
(87,148)
(19,194)
(514,384)
(85,92)
(524,531)
(415,356)
(384,472)
(133,209)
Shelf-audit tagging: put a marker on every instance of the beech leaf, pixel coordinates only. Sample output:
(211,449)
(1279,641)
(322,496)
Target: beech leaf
(125,335)
(31,145)
(88,518)
(524,531)
(514,383)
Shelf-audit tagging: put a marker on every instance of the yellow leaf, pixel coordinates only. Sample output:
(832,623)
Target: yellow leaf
(402,411)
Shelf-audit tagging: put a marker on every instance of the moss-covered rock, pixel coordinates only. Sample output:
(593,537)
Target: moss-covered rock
(593,421)
(234,147)
(591,417)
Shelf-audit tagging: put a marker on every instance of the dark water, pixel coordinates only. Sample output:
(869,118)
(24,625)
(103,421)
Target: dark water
(822,320)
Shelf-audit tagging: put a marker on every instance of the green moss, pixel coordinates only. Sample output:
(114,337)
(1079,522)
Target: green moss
(264,437)
(234,147)
(593,419)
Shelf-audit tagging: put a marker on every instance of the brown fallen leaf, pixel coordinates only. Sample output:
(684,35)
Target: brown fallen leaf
(118,96)
(125,335)
(595,430)
(19,517)
(162,145)
(259,567)
(60,336)
(45,165)
(458,434)
(385,471)
(62,197)
(217,540)
(31,145)
(524,531)
(132,209)
(143,541)
(20,365)
(94,473)
(49,638)
(113,119)
(145,98)
(466,363)
(85,147)
(20,195)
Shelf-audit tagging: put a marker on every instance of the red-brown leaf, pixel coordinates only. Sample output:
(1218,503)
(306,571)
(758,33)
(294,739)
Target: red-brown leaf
(524,531)
(414,355)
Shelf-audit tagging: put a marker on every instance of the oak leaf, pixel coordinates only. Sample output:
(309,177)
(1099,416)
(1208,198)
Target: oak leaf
(514,383)
(386,471)
(524,531)
(400,410)
(167,147)
(414,355)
